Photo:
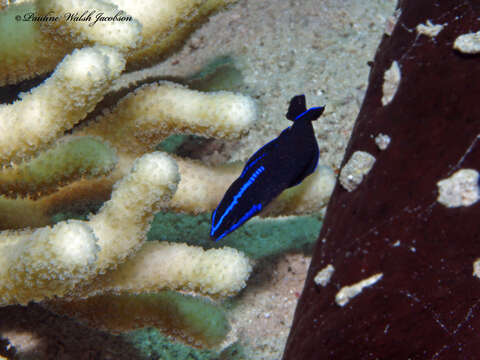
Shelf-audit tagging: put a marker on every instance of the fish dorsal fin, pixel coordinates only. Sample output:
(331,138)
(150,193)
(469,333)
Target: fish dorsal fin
(297,107)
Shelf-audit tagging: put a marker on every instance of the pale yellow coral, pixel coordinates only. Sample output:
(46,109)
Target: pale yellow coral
(306,198)
(37,264)
(166,24)
(26,51)
(122,223)
(122,33)
(152,112)
(118,230)
(157,27)
(196,194)
(48,261)
(77,85)
(135,126)
(162,265)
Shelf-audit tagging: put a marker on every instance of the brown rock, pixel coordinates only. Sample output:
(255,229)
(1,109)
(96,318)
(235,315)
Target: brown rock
(427,303)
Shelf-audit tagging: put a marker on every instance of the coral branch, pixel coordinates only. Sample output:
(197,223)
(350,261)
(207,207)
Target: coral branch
(196,194)
(147,116)
(68,161)
(45,262)
(162,265)
(123,35)
(64,99)
(122,223)
(29,51)
(26,51)
(196,321)
(38,264)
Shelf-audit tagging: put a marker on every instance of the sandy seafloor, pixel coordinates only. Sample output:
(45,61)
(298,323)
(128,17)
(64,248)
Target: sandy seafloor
(320,48)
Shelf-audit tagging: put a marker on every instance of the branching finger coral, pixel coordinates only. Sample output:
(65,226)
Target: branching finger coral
(38,264)
(123,35)
(216,272)
(164,24)
(122,222)
(77,85)
(154,111)
(156,29)
(48,261)
(196,194)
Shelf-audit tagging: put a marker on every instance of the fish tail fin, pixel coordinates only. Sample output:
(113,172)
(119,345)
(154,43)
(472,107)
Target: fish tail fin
(297,107)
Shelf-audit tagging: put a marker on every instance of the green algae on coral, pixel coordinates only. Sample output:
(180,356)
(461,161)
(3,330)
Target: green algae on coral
(219,74)
(172,143)
(203,318)
(153,345)
(192,320)
(67,161)
(25,49)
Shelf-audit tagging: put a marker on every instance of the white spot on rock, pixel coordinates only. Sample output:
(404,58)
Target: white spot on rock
(391,80)
(429,29)
(382,141)
(468,43)
(355,169)
(460,189)
(396,243)
(323,276)
(476,268)
(346,293)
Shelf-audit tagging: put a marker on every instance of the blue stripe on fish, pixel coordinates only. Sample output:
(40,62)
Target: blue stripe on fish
(313,110)
(281,163)
(248,166)
(236,199)
(253,211)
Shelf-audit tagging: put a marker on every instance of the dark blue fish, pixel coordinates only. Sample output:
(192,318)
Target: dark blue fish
(282,163)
